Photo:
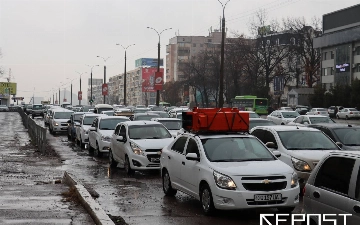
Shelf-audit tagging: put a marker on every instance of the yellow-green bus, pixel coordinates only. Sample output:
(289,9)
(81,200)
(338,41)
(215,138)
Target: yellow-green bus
(251,103)
(165,104)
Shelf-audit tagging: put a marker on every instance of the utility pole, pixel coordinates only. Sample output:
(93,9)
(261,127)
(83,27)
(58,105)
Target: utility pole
(59,96)
(104,73)
(71,93)
(125,48)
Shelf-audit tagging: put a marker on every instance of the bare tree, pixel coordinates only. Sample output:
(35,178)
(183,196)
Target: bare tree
(171,93)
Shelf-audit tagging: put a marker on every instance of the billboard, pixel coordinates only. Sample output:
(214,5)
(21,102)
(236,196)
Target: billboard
(148,79)
(345,67)
(5,87)
(151,62)
(105,89)
(95,81)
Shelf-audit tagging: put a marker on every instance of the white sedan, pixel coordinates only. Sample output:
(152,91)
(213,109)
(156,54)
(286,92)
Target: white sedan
(305,120)
(348,113)
(318,111)
(282,117)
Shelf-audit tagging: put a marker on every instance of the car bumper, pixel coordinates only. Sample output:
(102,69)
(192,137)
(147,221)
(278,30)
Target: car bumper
(104,146)
(354,116)
(239,199)
(141,162)
(60,128)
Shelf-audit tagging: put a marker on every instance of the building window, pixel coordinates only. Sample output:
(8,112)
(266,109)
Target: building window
(332,55)
(292,41)
(278,41)
(201,45)
(209,40)
(325,56)
(267,42)
(194,45)
(357,50)
(332,71)
(324,72)
(357,68)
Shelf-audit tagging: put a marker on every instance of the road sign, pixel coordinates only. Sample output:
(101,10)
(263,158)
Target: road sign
(79,95)
(64,100)
(104,89)
(6,86)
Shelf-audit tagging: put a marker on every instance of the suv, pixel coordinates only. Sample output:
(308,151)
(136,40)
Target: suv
(135,145)
(37,110)
(100,133)
(229,172)
(59,120)
(82,131)
(333,188)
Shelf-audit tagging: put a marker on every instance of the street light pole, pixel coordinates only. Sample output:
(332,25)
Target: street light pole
(80,83)
(158,64)
(125,48)
(104,72)
(221,83)
(59,96)
(91,83)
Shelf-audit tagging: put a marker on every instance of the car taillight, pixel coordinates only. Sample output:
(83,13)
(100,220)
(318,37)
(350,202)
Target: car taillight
(318,112)
(351,112)
(304,189)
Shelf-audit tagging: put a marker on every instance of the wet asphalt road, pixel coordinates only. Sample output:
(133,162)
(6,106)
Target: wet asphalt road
(28,193)
(139,199)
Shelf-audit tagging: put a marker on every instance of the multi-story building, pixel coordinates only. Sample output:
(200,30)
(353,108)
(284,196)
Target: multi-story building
(340,47)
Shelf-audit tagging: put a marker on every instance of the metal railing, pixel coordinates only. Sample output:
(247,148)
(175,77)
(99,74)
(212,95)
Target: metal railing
(37,133)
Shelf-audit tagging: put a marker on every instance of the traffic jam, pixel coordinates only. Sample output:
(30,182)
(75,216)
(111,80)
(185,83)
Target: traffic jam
(223,160)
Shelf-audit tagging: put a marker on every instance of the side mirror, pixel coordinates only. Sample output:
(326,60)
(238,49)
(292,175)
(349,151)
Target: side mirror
(92,129)
(192,156)
(120,139)
(277,154)
(339,144)
(270,145)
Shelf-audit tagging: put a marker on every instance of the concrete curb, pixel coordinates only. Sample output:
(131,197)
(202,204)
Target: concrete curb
(92,207)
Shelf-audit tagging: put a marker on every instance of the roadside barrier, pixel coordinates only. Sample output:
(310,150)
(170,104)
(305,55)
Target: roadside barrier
(37,133)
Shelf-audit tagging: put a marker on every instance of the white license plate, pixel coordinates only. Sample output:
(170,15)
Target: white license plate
(270,197)
(155,160)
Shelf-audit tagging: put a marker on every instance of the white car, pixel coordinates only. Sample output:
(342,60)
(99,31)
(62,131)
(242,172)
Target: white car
(108,113)
(174,125)
(333,188)
(175,111)
(286,108)
(282,117)
(300,147)
(228,172)
(310,119)
(348,113)
(318,111)
(135,145)
(59,120)
(100,133)
(82,131)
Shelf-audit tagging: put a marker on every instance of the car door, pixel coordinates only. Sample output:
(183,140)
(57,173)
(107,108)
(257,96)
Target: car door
(114,143)
(175,157)
(92,137)
(274,117)
(329,193)
(121,145)
(97,134)
(190,183)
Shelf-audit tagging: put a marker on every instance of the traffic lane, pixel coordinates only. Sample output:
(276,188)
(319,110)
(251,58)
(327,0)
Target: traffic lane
(139,199)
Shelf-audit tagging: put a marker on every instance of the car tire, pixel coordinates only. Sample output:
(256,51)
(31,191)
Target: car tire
(127,166)
(81,143)
(337,116)
(166,183)
(97,151)
(112,162)
(91,149)
(206,200)
(286,209)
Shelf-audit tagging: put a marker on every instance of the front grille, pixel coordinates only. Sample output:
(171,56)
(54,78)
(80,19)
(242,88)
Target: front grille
(263,178)
(252,202)
(265,187)
(154,158)
(153,150)
(63,124)
(152,165)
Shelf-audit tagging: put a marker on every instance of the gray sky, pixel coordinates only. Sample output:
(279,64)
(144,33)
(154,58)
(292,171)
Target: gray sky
(44,42)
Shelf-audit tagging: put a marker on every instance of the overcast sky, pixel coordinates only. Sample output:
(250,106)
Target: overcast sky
(45,42)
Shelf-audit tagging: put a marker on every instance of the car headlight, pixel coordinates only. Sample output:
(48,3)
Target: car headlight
(105,138)
(294,180)
(223,181)
(300,165)
(136,149)
(55,124)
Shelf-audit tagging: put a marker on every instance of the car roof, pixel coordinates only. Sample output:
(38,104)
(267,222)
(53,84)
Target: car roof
(259,119)
(284,111)
(113,117)
(345,153)
(165,119)
(247,112)
(143,114)
(210,135)
(140,122)
(314,116)
(334,125)
(77,113)
(62,110)
(103,106)
(286,128)
(158,112)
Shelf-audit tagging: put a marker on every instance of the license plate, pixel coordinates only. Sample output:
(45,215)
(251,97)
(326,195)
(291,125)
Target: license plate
(155,160)
(265,198)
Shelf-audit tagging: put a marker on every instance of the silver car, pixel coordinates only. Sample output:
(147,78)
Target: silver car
(282,117)
(348,113)
(333,188)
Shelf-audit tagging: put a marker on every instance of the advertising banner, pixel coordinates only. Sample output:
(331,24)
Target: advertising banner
(7,88)
(159,81)
(343,68)
(79,95)
(105,89)
(148,79)
(151,62)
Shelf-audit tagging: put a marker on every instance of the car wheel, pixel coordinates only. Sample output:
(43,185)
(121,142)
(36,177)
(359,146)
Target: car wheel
(33,116)
(282,123)
(206,200)
(127,166)
(97,151)
(91,149)
(166,182)
(82,146)
(112,161)
(337,116)
(286,209)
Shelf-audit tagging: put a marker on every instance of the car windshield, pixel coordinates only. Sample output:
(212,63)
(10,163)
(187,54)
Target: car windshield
(99,110)
(254,123)
(253,115)
(37,107)
(77,117)
(348,136)
(110,124)
(88,120)
(162,114)
(324,119)
(140,110)
(235,149)
(171,124)
(109,113)
(146,117)
(149,131)
(306,140)
(290,114)
(62,115)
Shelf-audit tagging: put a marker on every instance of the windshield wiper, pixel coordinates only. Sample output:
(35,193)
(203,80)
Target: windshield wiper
(153,138)
(244,160)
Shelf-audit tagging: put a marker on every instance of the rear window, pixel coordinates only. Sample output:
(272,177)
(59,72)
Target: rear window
(321,109)
(146,117)
(353,110)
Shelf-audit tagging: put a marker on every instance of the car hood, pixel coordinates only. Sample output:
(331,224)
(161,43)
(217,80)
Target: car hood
(256,168)
(106,133)
(152,143)
(354,148)
(308,155)
(61,120)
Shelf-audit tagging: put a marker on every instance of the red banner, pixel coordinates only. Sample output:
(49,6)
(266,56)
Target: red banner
(159,81)
(149,79)
(105,89)
(79,95)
